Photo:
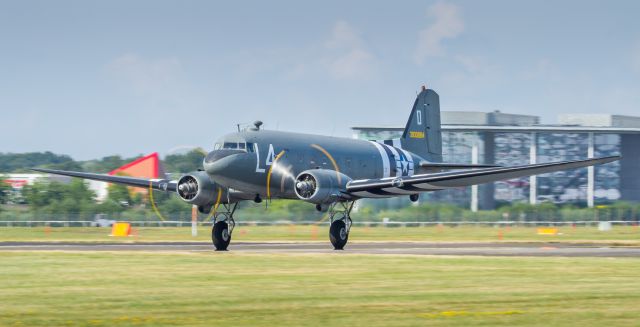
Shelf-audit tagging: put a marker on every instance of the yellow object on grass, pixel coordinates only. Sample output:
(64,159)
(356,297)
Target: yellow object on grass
(547,231)
(121,229)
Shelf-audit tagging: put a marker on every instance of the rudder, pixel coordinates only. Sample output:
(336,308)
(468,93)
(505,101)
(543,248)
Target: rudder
(422,134)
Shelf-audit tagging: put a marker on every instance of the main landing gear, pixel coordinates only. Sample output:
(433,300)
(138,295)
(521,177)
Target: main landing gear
(340,213)
(223,225)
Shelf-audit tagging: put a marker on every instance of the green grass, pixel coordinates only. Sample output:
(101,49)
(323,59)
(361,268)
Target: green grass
(338,289)
(627,235)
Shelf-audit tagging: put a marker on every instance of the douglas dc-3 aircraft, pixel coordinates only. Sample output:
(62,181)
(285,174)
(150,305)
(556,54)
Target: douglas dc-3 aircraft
(330,172)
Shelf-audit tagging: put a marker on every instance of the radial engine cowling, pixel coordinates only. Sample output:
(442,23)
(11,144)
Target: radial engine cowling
(321,186)
(197,188)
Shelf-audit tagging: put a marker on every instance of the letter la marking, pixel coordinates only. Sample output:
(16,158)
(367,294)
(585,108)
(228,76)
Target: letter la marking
(257,151)
(270,156)
(268,160)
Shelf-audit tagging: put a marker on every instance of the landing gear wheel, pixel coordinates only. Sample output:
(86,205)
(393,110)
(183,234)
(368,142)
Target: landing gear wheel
(338,234)
(221,236)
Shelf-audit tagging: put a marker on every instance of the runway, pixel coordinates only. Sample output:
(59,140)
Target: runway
(379,248)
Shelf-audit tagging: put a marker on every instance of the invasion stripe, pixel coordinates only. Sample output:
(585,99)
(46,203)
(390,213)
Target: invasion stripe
(385,159)
(393,172)
(396,159)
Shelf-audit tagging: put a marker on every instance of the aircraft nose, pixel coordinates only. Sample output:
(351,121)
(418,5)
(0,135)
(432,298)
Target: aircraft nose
(213,162)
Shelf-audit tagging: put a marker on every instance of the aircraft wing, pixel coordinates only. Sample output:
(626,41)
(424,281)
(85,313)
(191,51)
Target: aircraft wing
(156,184)
(391,186)
(451,166)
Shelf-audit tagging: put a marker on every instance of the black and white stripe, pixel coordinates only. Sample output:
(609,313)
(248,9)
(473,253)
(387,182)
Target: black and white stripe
(396,161)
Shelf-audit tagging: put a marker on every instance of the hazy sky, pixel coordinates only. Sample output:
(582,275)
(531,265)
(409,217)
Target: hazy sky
(90,78)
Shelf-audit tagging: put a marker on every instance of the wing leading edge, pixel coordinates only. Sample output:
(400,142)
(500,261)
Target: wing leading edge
(156,184)
(386,187)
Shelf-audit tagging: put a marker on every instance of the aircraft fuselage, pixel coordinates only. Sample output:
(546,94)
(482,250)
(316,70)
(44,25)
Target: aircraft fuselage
(244,161)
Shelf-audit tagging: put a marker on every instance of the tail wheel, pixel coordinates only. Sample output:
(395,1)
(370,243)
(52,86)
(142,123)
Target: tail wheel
(221,236)
(338,234)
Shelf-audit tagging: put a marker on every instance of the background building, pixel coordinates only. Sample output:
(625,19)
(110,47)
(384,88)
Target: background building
(510,140)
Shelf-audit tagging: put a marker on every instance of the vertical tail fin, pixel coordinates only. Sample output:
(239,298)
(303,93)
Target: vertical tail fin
(422,134)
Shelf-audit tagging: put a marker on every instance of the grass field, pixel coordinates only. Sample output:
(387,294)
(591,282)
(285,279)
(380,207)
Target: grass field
(621,235)
(55,288)
(339,289)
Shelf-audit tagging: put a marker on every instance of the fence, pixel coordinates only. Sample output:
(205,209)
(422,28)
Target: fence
(90,223)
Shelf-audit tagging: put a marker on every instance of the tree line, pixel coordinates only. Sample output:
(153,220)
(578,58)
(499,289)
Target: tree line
(22,162)
(75,201)
(54,200)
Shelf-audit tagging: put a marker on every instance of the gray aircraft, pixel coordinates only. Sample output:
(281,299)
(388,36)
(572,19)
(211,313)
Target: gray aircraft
(330,172)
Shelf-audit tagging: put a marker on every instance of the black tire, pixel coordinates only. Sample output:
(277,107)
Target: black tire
(338,234)
(221,236)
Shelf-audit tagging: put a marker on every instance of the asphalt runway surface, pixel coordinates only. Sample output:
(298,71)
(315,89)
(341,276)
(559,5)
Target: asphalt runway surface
(405,248)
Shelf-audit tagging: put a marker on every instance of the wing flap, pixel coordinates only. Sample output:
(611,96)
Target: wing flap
(156,184)
(429,182)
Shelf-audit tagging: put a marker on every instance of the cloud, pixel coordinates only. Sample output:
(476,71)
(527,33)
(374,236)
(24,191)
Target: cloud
(146,76)
(357,63)
(447,24)
(543,68)
(343,35)
(342,54)
(346,56)
(474,65)
(157,86)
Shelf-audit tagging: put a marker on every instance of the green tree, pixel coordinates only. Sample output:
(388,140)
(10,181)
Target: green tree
(5,190)
(175,208)
(119,194)
(110,207)
(79,190)
(136,198)
(36,195)
(72,199)
(107,164)
(14,162)
(184,163)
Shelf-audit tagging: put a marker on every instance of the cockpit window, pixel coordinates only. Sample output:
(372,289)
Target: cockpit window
(234,146)
(230,145)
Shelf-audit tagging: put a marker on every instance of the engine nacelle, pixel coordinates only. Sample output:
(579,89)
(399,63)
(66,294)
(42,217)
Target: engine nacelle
(197,188)
(320,186)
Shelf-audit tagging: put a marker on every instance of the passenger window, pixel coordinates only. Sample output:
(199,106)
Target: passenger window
(250,147)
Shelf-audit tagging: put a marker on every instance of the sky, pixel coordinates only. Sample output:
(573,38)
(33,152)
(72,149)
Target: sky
(97,78)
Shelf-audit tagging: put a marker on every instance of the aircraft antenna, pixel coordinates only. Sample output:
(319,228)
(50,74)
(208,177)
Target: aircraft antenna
(257,124)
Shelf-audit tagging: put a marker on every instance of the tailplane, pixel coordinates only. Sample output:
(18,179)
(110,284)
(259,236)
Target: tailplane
(422,134)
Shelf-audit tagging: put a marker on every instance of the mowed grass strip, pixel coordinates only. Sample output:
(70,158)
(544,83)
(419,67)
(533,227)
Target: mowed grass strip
(622,235)
(339,289)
